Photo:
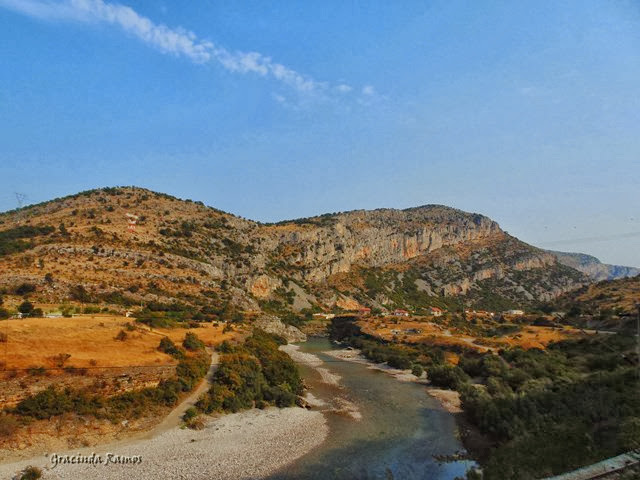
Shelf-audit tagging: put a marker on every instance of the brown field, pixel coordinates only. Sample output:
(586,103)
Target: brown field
(90,340)
(528,337)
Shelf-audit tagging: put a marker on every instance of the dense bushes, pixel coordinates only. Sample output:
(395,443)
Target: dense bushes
(544,411)
(13,240)
(447,376)
(192,343)
(253,374)
(555,410)
(395,355)
(54,401)
(167,346)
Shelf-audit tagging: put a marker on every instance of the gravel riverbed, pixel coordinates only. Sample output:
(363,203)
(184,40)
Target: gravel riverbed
(247,445)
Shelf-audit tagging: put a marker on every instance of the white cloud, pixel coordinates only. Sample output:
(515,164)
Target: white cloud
(368,90)
(343,88)
(175,41)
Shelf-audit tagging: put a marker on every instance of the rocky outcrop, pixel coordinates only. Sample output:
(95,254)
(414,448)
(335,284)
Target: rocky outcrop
(593,267)
(374,238)
(263,285)
(272,324)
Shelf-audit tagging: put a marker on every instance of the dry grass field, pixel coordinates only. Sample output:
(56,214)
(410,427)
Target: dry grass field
(90,340)
(421,329)
(83,352)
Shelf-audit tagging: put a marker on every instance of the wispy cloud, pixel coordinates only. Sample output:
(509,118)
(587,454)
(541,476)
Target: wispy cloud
(174,41)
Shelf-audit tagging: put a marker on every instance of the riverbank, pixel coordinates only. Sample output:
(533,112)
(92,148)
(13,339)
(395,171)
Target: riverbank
(247,445)
(449,399)
(474,442)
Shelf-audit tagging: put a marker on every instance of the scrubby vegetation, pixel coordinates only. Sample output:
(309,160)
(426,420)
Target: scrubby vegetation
(17,239)
(192,343)
(30,473)
(254,374)
(544,411)
(55,401)
(167,346)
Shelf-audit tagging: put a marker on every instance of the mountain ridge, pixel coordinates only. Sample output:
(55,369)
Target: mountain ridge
(185,251)
(593,267)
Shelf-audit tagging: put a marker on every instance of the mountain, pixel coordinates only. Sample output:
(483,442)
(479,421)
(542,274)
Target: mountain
(593,267)
(183,252)
(607,297)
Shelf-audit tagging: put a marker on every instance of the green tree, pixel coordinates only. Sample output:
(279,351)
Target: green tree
(192,343)
(25,307)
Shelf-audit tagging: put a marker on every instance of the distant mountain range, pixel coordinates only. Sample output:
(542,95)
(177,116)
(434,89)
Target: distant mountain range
(594,268)
(82,248)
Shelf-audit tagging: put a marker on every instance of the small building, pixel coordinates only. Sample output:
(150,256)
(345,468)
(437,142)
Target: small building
(515,312)
(400,313)
(435,311)
(364,311)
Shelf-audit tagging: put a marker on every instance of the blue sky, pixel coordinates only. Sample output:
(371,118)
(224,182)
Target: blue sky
(528,112)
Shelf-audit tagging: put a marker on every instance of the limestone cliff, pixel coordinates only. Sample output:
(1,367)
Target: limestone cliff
(182,252)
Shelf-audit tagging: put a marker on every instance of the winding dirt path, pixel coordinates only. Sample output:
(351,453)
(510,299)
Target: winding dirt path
(174,419)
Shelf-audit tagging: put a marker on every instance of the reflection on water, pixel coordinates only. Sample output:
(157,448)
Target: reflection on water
(380,428)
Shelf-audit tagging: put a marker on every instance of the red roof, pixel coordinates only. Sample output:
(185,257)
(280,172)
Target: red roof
(436,309)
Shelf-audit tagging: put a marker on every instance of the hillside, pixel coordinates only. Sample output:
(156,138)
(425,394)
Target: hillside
(79,249)
(593,267)
(609,297)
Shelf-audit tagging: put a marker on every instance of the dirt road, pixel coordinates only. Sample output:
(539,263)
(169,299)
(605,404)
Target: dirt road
(174,418)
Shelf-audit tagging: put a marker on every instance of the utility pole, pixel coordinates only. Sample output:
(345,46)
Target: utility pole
(20,199)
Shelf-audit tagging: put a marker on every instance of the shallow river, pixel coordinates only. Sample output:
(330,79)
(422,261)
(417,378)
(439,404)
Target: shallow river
(380,427)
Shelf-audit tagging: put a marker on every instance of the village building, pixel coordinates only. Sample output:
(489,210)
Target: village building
(400,313)
(327,316)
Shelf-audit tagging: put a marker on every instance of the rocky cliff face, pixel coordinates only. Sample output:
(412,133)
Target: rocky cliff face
(272,324)
(594,268)
(319,249)
(185,251)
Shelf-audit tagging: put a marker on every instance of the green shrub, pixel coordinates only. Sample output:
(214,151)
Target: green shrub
(31,473)
(25,289)
(25,307)
(190,413)
(447,376)
(37,371)
(121,336)
(253,374)
(13,240)
(192,343)
(167,346)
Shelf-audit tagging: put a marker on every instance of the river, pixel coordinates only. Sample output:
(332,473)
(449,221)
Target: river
(380,427)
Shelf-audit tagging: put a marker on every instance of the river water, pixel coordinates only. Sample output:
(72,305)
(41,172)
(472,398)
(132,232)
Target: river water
(380,427)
